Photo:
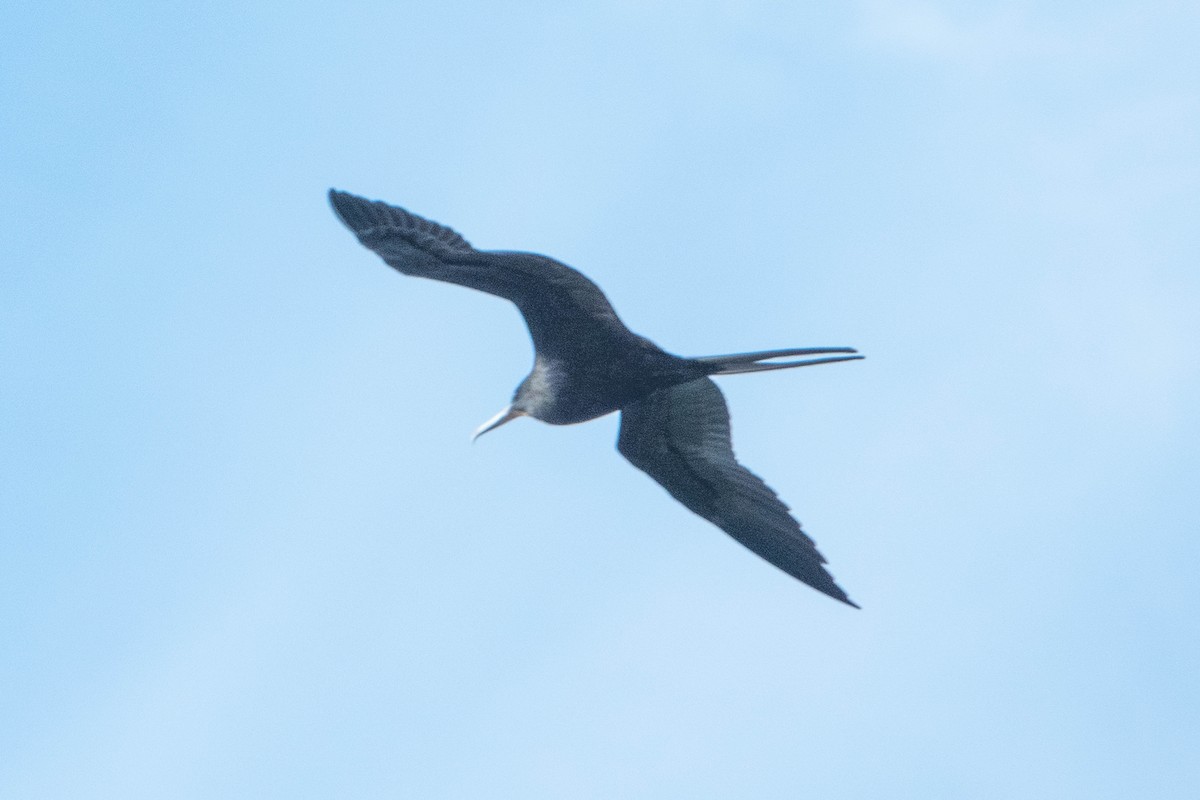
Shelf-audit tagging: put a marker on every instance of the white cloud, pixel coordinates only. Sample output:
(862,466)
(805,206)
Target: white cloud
(1005,33)
(925,29)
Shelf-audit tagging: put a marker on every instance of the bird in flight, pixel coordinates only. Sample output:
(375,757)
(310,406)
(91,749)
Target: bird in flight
(674,421)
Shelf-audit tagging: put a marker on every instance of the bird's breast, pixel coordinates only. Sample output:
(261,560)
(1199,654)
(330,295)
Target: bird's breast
(564,393)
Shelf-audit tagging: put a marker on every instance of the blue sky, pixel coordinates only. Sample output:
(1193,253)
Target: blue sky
(248,550)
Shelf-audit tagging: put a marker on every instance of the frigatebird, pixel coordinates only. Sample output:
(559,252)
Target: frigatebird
(674,421)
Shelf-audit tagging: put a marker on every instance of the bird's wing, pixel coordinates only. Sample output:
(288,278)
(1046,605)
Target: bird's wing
(559,304)
(680,437)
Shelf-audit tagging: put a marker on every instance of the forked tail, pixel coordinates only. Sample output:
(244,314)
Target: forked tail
(735,363)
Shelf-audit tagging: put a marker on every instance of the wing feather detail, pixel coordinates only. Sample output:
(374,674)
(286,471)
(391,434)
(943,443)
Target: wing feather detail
(680,437)
(561,306)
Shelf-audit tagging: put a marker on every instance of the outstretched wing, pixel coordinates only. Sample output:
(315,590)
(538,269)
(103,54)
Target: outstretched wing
(680,437)
(561,307)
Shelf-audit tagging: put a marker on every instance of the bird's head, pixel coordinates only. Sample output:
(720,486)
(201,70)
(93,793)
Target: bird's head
(528,401)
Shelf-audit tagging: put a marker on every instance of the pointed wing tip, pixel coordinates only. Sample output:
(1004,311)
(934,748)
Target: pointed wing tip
(342,203)
(837,593)
(376,218)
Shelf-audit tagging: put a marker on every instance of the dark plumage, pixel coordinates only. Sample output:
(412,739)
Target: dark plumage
(674,422)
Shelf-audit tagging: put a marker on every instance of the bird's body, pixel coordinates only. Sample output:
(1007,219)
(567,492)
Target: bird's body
(561,393)
(674,423)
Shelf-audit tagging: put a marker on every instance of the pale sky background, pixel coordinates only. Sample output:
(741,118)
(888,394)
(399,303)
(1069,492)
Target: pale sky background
(249,552)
